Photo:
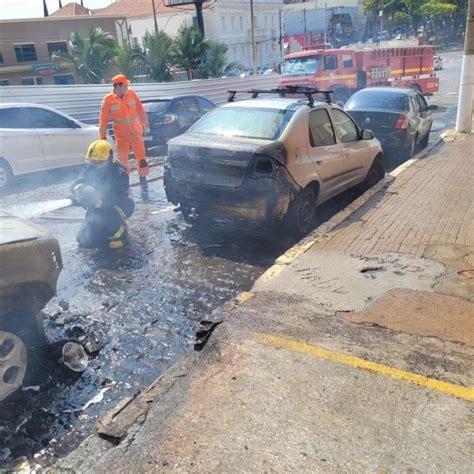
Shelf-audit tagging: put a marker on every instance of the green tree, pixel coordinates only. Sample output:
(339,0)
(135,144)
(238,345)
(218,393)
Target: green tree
(89,57)
(190,48)
(130,61)
(216,64)
(437,9)
(157,56)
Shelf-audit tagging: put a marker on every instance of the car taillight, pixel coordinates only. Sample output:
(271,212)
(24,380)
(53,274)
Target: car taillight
(263,167)
(402,122)
(169,119)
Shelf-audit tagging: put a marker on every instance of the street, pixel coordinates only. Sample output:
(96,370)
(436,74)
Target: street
(142,304)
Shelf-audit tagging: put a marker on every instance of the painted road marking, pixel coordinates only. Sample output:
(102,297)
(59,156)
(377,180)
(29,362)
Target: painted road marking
(466,393)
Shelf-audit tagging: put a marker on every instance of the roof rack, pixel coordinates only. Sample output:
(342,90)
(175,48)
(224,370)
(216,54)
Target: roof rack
(282,91)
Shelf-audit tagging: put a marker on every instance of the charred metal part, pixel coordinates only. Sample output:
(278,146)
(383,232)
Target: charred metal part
(204,333)
(275,150)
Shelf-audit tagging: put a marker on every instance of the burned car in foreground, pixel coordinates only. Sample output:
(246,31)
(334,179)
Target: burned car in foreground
(269,158)
(30,263)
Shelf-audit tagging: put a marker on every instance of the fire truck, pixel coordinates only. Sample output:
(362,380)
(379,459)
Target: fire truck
(347,70)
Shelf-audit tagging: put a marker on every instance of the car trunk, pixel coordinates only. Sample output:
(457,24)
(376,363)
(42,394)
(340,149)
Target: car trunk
(218,161)
(379,121)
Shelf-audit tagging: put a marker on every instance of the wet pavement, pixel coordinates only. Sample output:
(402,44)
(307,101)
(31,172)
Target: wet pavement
(141,304)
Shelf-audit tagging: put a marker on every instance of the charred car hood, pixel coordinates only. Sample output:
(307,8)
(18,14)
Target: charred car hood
(220,161)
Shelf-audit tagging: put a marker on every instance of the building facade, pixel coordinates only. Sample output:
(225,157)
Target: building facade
(26,46)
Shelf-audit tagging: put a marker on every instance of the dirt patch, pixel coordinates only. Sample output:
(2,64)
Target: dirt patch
(419,312)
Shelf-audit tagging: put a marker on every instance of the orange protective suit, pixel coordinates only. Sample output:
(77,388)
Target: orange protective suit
(128,117)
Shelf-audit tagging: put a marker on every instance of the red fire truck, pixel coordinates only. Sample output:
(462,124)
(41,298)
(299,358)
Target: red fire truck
(347,70)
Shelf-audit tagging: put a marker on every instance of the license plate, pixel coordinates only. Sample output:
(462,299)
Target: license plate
(147,139)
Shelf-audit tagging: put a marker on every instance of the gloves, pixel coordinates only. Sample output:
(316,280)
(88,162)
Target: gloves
(85,195)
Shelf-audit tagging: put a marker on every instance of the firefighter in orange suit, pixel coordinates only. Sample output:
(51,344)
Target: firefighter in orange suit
(124,109)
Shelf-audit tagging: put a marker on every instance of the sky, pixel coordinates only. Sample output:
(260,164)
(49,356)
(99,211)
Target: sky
(10,9)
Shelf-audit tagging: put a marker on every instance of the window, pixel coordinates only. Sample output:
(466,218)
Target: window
(190,104)
(57,47)
(42,118)
(4,82)
(422,102)
(1,58)
(273,21)
(330,62)
(346,127)
(242,50)
(232,23)
(31,81)
(223,22)
(205,104)
(321,132)
(155,107)
(135,42)
(371,98)
(13,117)
(266,22)
(241,23)
(301,66)
(25,53)
(347,60)
(251,122)
(63,79)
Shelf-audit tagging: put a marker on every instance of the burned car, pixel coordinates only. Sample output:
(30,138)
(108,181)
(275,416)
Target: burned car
(269,158)
(30,263)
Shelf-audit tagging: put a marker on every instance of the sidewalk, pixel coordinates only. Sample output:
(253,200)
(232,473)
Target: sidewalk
(353,353)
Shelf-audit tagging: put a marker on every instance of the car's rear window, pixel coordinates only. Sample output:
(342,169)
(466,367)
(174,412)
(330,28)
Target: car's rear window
(260,123)
(156,107)
(373,100)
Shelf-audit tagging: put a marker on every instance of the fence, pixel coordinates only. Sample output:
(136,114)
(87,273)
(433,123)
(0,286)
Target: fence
(82,101)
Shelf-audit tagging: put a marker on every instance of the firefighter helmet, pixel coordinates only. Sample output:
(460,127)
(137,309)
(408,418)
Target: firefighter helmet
(99,151)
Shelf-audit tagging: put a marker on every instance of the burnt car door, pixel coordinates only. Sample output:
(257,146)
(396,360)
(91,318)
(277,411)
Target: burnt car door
(424,113)
(325,153)
(356,151)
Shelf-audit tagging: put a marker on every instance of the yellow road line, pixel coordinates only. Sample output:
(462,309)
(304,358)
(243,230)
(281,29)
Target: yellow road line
(466,393)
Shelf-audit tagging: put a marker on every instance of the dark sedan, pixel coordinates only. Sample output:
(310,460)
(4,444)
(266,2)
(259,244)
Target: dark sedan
(400,118)
(171,116)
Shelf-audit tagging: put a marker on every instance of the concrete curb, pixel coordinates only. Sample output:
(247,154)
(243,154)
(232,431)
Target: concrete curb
(306,243)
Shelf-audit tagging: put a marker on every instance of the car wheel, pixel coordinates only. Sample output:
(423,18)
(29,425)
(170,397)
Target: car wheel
(410,152)
(375,174)
(6,175)
(424,142)
(300,213)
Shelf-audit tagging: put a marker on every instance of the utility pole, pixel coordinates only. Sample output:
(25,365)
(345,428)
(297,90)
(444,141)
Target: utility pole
(154,17)
(326,24)
(466,86)
(252,34)
(281,37)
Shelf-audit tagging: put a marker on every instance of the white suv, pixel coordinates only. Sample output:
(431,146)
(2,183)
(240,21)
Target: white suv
(270,158)
(36,138)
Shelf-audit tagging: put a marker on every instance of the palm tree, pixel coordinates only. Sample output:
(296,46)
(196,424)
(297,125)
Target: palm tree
(190,48)
(130,61)
(89,57)
(157,56)
(216,64)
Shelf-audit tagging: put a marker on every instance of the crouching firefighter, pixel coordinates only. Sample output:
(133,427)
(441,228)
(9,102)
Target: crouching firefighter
(102,189)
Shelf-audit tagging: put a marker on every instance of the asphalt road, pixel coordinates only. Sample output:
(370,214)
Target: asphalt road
(142,304)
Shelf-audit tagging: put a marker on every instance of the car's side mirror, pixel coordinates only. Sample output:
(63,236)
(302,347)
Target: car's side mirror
(367,135)
(433,107)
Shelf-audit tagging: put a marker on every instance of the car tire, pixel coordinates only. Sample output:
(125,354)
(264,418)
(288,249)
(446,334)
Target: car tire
(410,152)
(6,175)
(375,173)
(300,215)
(426,138)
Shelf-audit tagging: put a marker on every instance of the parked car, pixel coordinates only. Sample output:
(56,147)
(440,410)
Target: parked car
(30,263)
(37,138)
(400,118)
(171,116)
(267,159)
(438,63)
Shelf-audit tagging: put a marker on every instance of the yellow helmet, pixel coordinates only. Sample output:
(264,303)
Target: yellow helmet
(98,151)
